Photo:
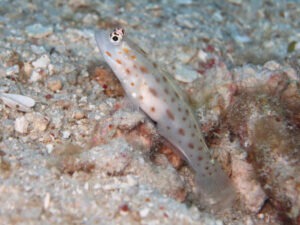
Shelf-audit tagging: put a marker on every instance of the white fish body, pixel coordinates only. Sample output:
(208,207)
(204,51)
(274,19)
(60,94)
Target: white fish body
(158,97)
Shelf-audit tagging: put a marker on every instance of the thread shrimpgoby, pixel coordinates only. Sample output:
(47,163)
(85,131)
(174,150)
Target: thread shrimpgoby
(156,94)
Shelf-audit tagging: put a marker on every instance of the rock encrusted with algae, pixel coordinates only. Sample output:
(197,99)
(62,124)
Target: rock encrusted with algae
(258,107)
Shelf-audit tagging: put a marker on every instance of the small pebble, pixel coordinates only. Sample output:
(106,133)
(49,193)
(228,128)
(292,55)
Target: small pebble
(238,2)
(76,4)
(241,38)
(272,65)
(35,76)
(184,55)
(217,16)
(202,55)
(249,221)
(78,115)
(54,84)
(49,148)
(47,201)
(66,134)
(13,70)
(86,186)
(38,49)
(40,123)
(90,19)
(131,180)
(185,2)
(27,69)
(297,46)
(8,126)
(38,30)
(261,216)
(185,74)
(185,22)
(41,62)
(144,212)
(21,125)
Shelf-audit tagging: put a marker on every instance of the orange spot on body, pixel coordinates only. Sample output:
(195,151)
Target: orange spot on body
(191,145)
(132,84)
(152,109)
(170,114)
(118,61)
(153,91)
(108,53)
(143,69)
(127,71)
(181,132)
(126,50)
(133,57)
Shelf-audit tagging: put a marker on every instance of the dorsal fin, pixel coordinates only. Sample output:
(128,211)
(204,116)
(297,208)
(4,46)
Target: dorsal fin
(137,48)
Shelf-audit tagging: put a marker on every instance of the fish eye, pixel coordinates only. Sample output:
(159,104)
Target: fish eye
(117,35)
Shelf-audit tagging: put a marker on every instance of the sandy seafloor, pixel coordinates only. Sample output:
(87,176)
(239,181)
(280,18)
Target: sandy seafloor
(83,156)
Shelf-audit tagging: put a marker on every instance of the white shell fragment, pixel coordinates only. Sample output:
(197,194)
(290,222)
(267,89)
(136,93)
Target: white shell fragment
(41,62)
(21,125)
(185,74)
(19,102)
